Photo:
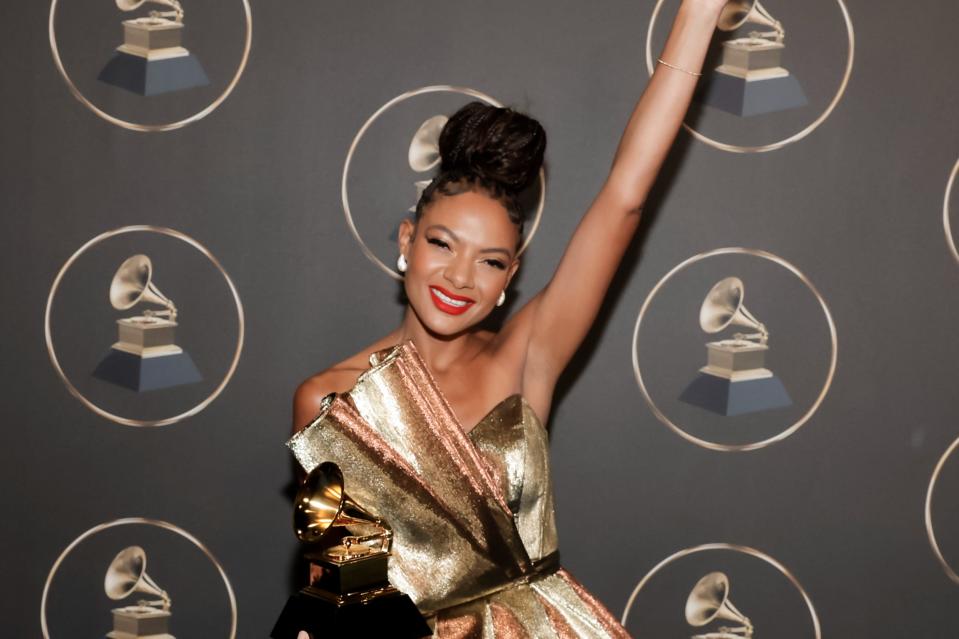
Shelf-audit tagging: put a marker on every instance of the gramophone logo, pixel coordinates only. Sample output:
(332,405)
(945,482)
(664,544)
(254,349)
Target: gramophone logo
(751,79)
(151,59)
(147,619)
(709,602)
(734,380)
(145,356)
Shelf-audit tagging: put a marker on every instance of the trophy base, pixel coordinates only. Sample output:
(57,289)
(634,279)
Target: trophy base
(735,359)
(730,397)
(145,76)
(140,622)
(365,574)
(390,615)
(147,373)
(146,336)
(752,54)
(751,93)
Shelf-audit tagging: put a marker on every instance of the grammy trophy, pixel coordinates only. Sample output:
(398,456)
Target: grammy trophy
(348,548)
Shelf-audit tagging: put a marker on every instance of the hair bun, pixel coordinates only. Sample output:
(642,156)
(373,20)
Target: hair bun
(495,144)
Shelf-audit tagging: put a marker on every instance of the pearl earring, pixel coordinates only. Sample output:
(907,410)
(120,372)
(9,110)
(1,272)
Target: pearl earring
(401,263)
(502,298)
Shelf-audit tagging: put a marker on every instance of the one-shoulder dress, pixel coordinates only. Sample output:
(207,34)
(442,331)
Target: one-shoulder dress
(474,542)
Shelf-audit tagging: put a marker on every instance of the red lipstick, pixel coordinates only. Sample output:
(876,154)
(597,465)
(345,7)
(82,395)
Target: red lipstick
(446,307)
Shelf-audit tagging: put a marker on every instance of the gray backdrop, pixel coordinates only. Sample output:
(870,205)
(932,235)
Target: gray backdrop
(857,206)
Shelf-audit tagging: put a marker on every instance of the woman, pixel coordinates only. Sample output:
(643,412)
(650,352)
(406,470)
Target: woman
(418,421)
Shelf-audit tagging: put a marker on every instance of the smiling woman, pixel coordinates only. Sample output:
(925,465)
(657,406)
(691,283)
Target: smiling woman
(469,214)
(418,421)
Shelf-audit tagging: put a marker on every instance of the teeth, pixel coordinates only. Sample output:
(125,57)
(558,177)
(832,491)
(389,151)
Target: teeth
(448,300)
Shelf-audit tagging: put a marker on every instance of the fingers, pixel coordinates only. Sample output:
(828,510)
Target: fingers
(303,635)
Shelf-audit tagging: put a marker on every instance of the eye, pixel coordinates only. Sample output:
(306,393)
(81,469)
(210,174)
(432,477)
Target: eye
(437,242)
(496,264)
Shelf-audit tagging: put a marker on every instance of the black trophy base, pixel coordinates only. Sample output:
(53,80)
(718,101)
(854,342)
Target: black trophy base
(153,77)
(147,373)
(394,615)
(751,97)
(728,398)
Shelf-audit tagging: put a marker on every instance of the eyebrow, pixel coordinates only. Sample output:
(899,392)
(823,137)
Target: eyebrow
(457,239)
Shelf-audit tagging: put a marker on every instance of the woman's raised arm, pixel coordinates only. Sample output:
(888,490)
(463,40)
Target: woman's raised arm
(556,320)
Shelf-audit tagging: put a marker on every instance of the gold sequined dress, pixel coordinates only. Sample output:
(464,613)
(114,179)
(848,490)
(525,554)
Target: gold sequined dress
(472,513)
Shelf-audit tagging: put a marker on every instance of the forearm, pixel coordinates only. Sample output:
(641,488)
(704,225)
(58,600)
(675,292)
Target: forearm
(564,311)
(660,110)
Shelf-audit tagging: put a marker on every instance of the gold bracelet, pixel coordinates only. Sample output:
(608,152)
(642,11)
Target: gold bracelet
(666,64)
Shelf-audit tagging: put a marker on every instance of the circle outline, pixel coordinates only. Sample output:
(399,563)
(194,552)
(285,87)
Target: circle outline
(48,337)
(789,430)
(758,554)
(151,128)
(435,88)
(947,224)
(735,148)
(136,521)
(930,532)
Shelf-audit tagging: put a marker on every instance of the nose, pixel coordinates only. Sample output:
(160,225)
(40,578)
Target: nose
(459,272)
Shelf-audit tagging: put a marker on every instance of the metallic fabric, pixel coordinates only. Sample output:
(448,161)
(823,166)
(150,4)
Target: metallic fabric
(472,513)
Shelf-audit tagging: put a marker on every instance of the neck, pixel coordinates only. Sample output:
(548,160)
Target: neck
(440,352)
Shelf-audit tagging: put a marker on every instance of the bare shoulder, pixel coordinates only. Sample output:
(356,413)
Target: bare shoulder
(308,398)
(339,378)
(336,379)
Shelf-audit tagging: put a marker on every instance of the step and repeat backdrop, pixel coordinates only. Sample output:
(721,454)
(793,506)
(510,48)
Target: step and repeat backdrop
(200,204)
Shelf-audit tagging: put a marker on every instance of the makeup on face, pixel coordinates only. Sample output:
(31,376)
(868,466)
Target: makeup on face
(459,257)
(449,302)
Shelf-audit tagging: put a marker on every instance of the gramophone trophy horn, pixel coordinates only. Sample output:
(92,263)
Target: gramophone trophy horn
(351,547)
(321,504)
(133,283)
(425,148)
(709,601)
(125,576)
(424,153)
(723,307)
(133,5)
(736,13)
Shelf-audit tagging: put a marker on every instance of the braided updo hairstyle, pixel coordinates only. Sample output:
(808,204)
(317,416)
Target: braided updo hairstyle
(493,149)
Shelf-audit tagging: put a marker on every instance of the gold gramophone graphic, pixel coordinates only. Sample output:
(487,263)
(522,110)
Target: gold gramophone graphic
(145,356)
(351,548)
(708,602)
(152,59)
(751,79)
(424,151)
(735,380)
(126,575)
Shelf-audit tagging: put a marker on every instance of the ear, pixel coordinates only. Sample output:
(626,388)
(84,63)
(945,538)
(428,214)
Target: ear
(512,271)
(406,235)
